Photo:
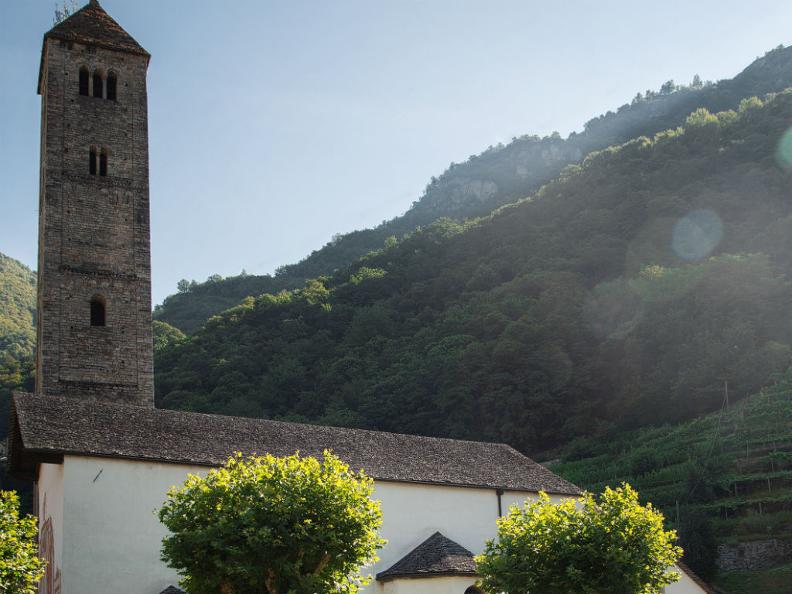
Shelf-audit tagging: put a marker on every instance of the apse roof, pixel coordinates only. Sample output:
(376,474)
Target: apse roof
(436,556)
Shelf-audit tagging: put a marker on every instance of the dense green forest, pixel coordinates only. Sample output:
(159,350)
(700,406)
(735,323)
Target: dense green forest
(17,329)
(17,340)
(17,308)
(720,479)
(500,175)
(628,290)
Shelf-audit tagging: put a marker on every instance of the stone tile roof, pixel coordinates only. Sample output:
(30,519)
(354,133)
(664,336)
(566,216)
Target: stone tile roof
(44,428)
(91,25)
(436,556)
(172,590)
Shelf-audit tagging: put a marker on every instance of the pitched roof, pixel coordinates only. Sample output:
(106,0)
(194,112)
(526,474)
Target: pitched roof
(91,25)
(436,556)
(44,428)
(172,590)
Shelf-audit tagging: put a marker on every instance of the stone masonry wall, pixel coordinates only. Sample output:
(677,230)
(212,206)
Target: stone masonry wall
(757,554)
(94,230)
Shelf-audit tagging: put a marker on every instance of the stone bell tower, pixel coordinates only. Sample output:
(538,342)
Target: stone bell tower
(94,267)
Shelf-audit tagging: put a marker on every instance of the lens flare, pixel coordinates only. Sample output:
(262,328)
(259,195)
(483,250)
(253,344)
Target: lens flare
(696,235)
(784,150)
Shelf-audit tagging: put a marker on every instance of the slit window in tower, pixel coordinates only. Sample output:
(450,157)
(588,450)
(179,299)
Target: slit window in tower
(98,311)
(84,76)
(103,163)
(98,84)
(112,86)
(92,161)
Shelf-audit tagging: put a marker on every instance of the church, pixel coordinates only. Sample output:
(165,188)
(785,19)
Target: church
(102,457)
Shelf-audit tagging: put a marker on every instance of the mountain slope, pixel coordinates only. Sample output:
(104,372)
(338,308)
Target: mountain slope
(591,306)
(17,308)
(498,176)
(17,330)
(723,479)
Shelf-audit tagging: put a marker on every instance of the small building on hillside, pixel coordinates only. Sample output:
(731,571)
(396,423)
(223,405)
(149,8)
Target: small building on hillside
(101,455)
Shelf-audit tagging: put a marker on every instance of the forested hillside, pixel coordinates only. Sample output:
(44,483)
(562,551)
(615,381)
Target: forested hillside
(625,292)
(723,479)
(17,308)
(500,175)
(17,331)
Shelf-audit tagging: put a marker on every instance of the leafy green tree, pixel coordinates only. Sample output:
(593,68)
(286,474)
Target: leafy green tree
(609,545)
(20,566)
(166,336)
(276,525)
(668,87)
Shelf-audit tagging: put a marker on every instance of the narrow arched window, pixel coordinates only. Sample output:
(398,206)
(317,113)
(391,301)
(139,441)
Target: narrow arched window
(103,163)
(98,85)
(98,311)
(112,87)
(92,161)
(84,77)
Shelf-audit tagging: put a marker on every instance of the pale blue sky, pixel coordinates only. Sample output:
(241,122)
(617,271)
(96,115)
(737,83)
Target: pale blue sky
(274,125)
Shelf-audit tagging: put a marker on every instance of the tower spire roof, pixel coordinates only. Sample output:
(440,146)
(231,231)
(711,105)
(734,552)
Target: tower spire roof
(92,25)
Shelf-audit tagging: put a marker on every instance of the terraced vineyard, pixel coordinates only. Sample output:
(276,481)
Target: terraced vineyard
(724,481)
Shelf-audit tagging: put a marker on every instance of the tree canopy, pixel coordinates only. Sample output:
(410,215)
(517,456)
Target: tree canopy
(275,525)
(609,544)
(20,566)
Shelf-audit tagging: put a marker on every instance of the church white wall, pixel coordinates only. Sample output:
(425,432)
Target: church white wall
(684,586)
(412,513)
(444,585)
(108,535)
(111,536)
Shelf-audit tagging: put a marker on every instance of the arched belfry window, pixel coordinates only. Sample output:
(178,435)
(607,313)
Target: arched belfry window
(112,86)
(103,162)
(98,311)
(92,160)
(84,78)
(98,84)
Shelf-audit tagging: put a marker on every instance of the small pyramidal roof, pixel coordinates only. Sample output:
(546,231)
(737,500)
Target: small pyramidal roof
(91,25)
(172,590)
(435,557)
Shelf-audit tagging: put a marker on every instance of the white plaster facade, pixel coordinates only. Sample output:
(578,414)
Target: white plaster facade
(108,536)
(685,585)
(437,585)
